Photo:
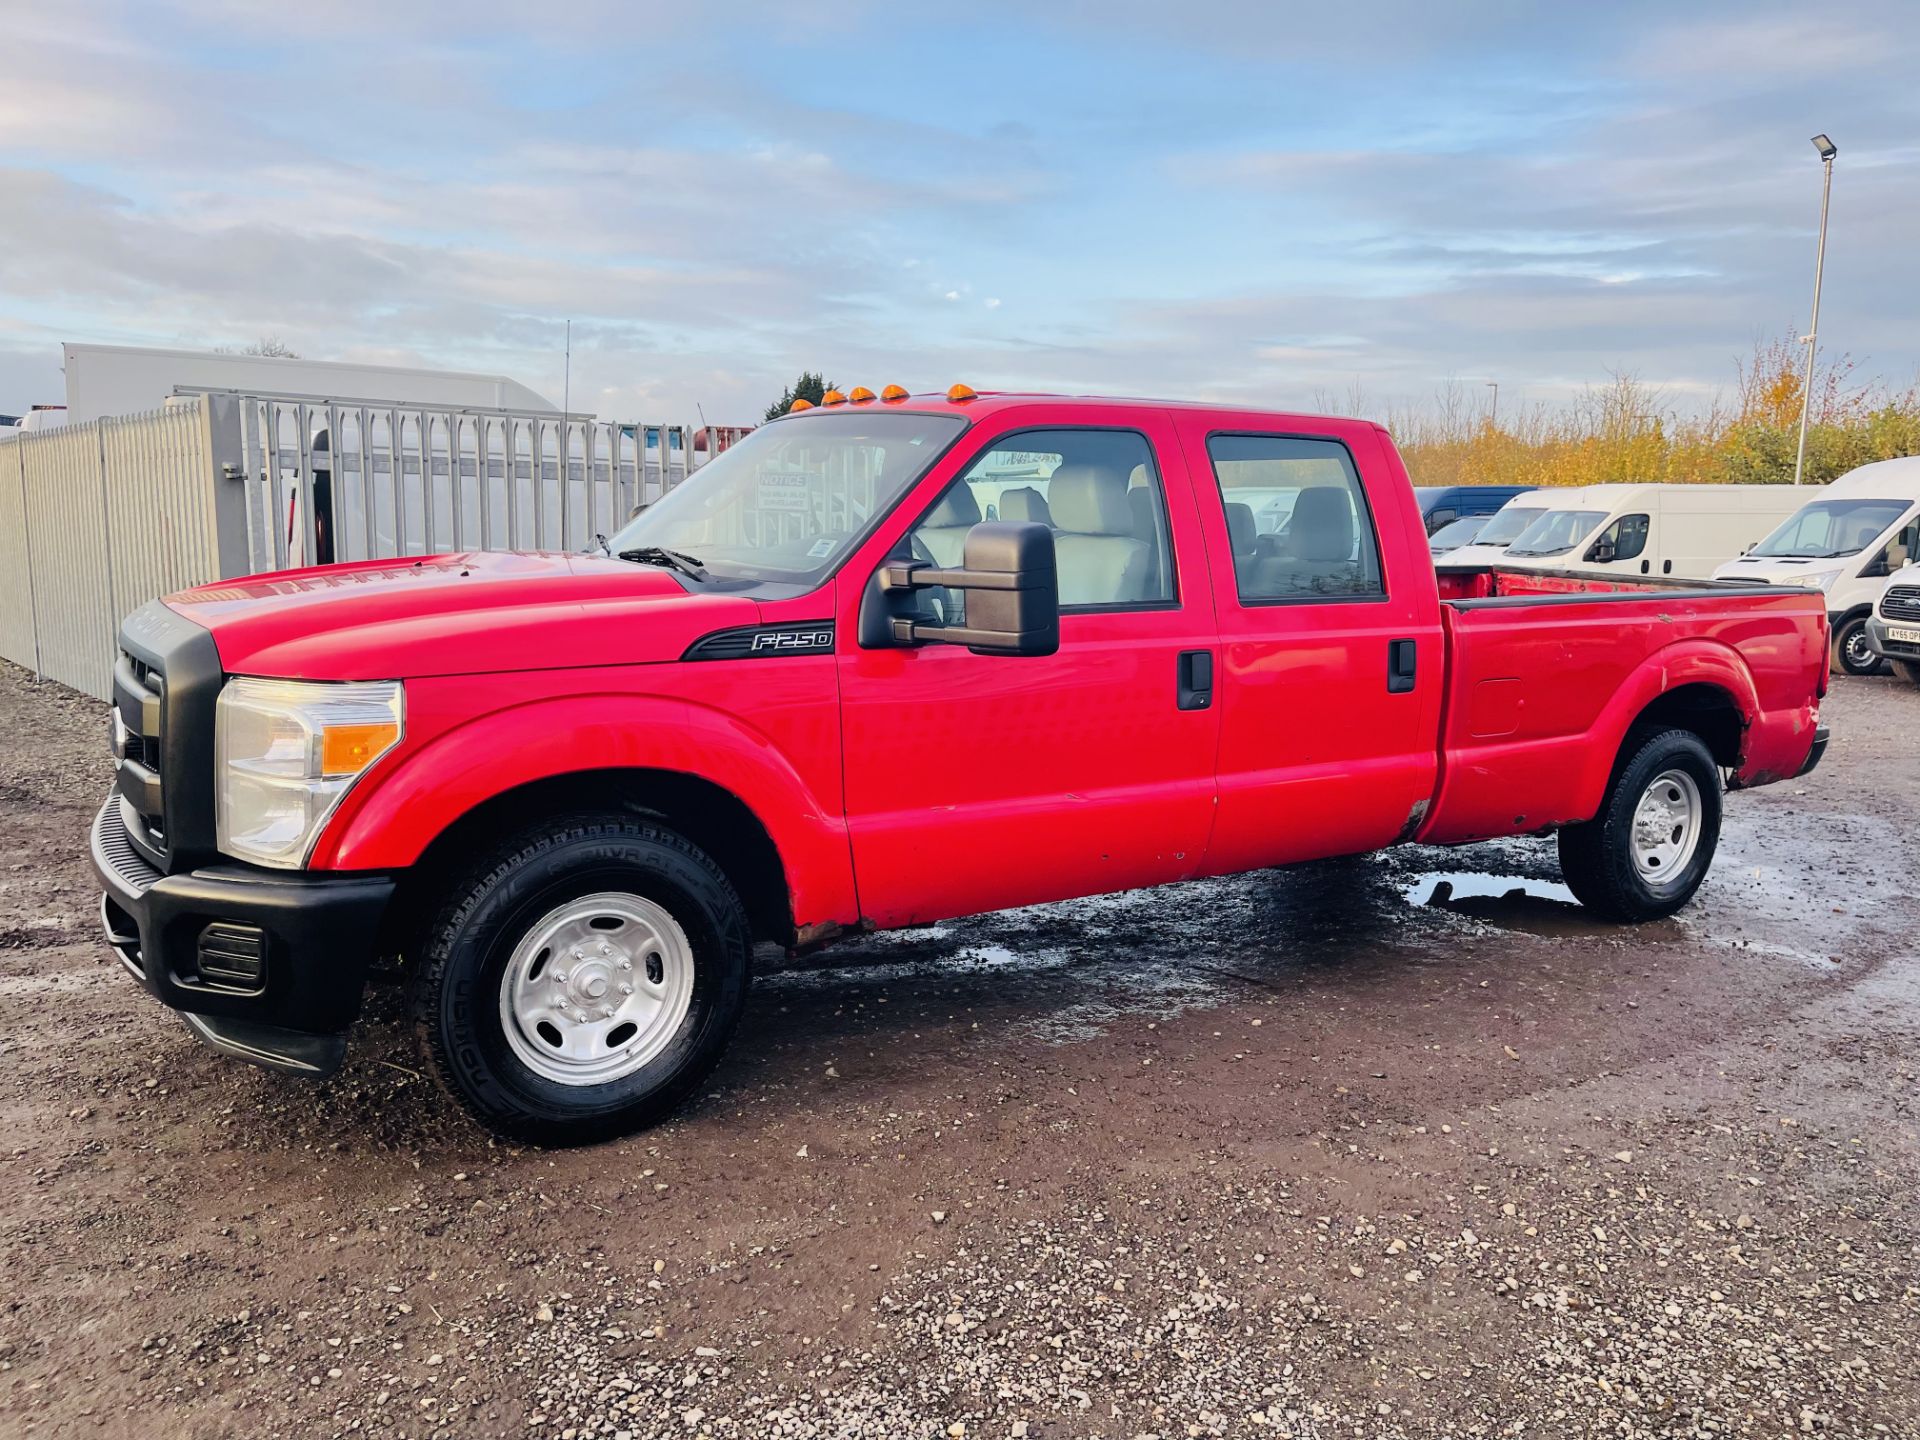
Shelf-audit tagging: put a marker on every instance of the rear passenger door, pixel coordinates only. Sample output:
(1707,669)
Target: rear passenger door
(1331,651)
(976,782)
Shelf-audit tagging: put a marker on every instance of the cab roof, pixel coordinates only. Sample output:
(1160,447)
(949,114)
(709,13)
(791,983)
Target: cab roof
(992,402)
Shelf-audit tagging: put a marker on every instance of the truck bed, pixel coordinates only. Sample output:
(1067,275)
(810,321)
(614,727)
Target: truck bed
(1547,673)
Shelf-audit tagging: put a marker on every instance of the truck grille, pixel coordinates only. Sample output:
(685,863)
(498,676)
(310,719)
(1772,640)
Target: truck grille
(139,703)
(166,682)
(1901,602)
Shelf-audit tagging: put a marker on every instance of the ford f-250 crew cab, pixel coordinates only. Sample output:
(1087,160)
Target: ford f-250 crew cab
(888,661)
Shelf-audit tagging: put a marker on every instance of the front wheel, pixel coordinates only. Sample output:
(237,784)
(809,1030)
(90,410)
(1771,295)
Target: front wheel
(1646,852)
(1851,651)
(1907,670)
(583,981)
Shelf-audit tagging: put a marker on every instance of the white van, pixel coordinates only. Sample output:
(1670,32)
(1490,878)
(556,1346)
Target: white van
(1682,532)
(1489,547)
(1846,539)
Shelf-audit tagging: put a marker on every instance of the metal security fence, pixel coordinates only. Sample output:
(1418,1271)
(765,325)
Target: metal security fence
(96,519)
(331,479)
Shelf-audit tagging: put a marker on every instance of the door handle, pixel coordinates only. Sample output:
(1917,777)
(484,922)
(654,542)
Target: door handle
(1194,681)
(1402,656)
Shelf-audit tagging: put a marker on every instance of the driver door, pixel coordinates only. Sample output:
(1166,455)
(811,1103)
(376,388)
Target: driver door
(978,782)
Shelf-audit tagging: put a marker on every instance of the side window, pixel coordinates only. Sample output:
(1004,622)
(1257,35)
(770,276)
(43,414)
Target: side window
(1297,518)
(1098,490)
(1627,537)
(1445,515)
(1901,550)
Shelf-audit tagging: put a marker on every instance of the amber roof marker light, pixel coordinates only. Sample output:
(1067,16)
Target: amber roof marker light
(799,404)
(833,397)
(960,394)
(859,395)
(893,393)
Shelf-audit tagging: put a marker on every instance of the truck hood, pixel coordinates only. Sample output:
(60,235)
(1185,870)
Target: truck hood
(454,615)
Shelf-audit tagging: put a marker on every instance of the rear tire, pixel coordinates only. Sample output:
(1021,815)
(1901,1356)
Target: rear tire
(1907,670)
(1850,650)
(1644,855)
(583,980)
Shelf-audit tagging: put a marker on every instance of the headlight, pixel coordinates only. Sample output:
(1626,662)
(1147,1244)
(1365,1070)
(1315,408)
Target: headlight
(1820,582)
(288,750)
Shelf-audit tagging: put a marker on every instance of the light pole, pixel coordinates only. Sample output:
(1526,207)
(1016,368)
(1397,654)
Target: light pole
(1493,415)
(1827,150)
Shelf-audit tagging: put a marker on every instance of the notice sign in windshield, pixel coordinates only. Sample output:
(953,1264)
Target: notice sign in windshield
(786,490)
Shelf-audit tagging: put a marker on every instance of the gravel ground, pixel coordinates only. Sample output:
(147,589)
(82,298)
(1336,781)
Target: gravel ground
(1393,1147)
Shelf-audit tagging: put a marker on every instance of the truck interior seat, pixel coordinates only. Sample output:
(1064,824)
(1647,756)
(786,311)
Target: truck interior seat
(1243,538)
(944,531)
(1318,545)
(1100,559)
(1025,504)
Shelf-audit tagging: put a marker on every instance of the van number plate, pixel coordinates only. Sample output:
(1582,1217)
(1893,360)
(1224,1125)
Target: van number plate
(1905,634)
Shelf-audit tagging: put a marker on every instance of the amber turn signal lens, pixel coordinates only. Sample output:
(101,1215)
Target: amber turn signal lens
(894,392)
(859,393)
(833,397)
(349,749)
(959,393)
(800,405)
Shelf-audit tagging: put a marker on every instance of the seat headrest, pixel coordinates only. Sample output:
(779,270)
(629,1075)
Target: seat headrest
(1025,504)
(1090,500)
(1322,526)
(1243,536)
(957,507)
(1145,525)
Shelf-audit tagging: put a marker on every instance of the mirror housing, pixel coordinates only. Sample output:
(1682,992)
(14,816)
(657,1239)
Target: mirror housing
(1603,552)
(1011,585)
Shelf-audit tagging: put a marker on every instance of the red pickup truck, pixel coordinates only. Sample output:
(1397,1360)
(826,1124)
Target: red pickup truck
(890,660)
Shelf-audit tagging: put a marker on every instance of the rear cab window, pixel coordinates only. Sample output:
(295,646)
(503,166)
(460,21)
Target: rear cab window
(1298,522)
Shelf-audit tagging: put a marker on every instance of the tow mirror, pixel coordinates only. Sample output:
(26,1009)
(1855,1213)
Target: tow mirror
(1011,587)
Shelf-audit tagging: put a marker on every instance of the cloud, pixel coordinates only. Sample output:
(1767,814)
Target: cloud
(1251,202)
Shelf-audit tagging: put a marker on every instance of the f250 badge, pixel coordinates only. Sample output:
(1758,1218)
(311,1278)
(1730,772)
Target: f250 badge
(753,641)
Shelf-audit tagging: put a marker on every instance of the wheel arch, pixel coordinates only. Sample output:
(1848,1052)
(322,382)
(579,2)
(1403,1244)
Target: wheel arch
(727,787)
(708,814)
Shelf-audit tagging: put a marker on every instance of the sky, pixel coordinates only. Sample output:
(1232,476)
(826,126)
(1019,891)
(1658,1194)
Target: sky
(1355,206)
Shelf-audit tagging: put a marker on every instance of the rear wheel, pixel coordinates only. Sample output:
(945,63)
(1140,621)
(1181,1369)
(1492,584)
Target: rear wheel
(1851,652)
(1646,852)
(580,983)
(1907,670)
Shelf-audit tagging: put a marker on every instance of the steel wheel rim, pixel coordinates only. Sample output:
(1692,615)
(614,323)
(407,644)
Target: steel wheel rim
(1858,652)
(596,989)
(1666,826)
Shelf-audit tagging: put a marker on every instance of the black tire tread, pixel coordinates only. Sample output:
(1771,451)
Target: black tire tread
(1598,868)
(458,908)
(1908,670)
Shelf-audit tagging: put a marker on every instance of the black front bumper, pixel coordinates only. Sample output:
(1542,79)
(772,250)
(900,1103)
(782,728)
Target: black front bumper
(1888,648)
(317,937)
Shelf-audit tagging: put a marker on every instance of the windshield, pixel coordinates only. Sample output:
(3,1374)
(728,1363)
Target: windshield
(784,505)
(1509,524)
(1826,529)
(1555,532)
(1456,533)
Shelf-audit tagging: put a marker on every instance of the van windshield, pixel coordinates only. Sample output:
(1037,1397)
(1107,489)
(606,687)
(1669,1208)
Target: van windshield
(1827,529)
(784,505)
(1510,524)
(1556,532)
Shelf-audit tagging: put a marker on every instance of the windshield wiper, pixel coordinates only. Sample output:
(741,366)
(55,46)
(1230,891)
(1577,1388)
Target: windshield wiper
(667,559)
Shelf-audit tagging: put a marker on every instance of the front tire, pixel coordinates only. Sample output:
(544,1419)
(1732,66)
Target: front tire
(583,980)
(1907,670)
(1644,855)
(1851,652)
